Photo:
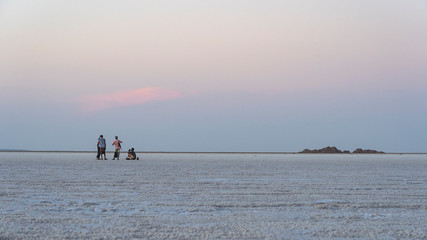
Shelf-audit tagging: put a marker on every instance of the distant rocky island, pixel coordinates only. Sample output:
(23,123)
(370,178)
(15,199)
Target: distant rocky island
(336,150)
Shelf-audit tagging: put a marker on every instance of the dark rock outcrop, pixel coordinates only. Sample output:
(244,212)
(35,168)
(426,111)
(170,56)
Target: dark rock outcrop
(335,150)
(324,150)
(369,151)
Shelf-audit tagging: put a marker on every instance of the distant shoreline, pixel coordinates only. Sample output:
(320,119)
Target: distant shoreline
(185,152)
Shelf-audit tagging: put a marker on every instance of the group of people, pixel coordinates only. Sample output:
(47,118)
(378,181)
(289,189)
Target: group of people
(117,147)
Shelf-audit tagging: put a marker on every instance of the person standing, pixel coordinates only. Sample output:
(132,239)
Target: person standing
(98,151)
(102,146)
(117,148)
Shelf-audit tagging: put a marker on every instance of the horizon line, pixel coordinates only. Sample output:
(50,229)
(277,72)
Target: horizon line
(202,152)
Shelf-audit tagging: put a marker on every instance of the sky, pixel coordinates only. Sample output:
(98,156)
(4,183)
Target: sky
(241,75)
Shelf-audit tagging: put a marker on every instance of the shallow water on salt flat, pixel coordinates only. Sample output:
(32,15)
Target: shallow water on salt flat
(213,196)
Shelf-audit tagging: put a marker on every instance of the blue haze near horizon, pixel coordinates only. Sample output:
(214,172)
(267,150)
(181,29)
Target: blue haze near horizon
(234,76)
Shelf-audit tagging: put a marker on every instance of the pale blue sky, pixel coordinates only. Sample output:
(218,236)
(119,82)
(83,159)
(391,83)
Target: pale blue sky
(214,75)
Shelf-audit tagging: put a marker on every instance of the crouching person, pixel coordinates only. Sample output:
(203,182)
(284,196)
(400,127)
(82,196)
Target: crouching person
(132,155)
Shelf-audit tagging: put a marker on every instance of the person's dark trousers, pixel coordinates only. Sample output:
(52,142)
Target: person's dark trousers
(99,153)
(116,154)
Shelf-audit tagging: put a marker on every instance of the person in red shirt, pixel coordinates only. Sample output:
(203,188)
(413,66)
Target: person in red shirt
(117,148)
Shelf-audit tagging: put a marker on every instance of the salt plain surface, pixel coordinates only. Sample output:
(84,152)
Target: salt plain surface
(213,196)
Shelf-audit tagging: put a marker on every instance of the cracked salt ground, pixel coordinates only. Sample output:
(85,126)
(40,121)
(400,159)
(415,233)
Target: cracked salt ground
(213,196)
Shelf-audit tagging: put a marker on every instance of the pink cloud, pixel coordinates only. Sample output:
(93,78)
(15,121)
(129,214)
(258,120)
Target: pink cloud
(95,103)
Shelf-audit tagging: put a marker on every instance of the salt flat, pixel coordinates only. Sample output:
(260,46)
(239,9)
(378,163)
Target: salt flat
(213,196)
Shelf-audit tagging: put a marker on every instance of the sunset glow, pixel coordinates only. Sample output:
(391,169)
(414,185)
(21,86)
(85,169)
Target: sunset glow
(93,104)
(274,75)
